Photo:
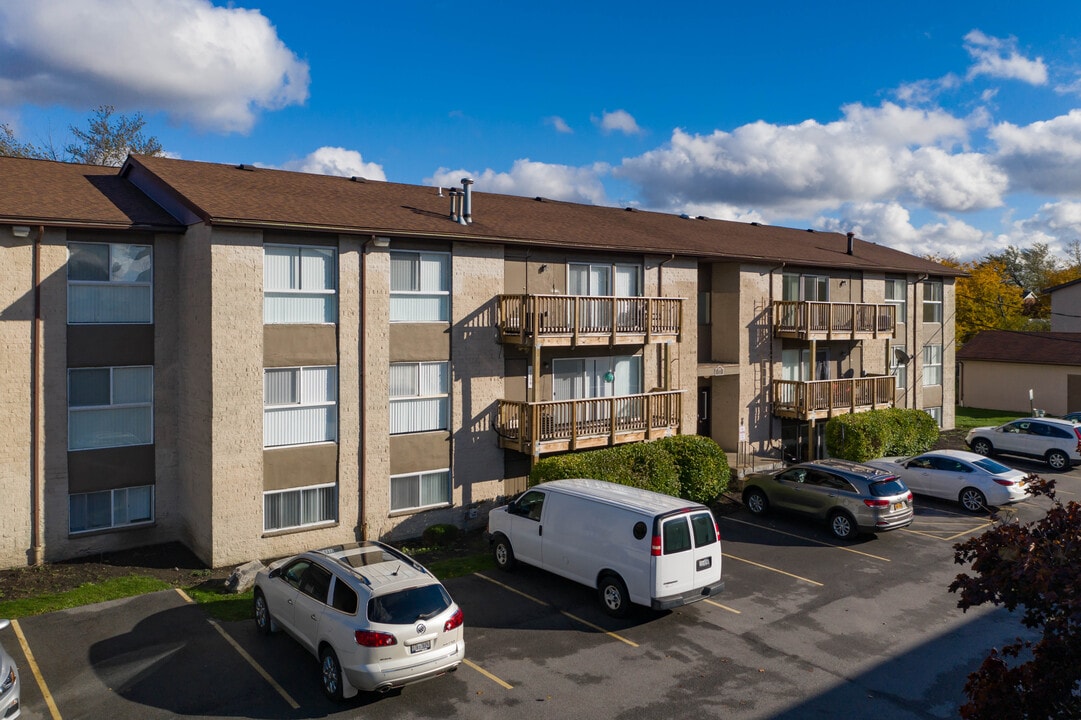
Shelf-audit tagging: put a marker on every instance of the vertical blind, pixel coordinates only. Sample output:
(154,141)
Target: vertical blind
(299,284)
(300,405)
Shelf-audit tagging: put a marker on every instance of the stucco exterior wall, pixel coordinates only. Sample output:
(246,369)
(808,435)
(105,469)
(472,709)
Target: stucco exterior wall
(1066,309)
(1005,386)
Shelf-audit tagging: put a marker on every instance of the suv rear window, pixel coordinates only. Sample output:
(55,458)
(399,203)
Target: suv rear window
(887,487)
(406,606)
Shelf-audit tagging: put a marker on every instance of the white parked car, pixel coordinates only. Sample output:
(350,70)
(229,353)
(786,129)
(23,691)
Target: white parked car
(1057,442)
(9,682)
(375,618)
(973,480)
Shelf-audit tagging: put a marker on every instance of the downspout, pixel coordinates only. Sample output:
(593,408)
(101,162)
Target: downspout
(37,479)
(772,318)
(666,349)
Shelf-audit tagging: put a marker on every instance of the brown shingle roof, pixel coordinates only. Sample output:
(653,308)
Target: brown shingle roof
(34,192)
(229,194)
(1043,348)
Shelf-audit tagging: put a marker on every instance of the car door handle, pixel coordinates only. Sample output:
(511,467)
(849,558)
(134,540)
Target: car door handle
(313,617)
(290,601)
(540,530)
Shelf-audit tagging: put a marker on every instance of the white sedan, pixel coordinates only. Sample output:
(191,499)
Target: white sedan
(973,480)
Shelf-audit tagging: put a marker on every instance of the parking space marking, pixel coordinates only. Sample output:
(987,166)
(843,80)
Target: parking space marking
(244,654)
(773,569)
(485,673)
(575,618)
(722,607)
(817,542)
(36,671)
(949,527)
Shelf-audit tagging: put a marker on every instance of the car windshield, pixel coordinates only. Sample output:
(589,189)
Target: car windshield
(992,466)
(406,606)
(888,486)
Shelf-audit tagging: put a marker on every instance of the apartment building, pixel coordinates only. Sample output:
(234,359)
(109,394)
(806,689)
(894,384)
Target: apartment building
(253,362)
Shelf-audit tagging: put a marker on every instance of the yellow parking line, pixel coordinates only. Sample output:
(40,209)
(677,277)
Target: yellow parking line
(485,673)
(772,569)
(36,671)
(723,607)
(546,604)
(255,665)
(966,532)
(803,537)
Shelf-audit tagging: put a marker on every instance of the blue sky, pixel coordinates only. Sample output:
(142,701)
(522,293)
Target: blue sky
(936,128)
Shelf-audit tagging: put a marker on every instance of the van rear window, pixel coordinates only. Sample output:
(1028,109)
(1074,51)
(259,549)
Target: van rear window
(705,531)
(677,537)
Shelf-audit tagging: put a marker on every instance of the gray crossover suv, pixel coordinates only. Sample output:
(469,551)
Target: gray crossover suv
(851,497)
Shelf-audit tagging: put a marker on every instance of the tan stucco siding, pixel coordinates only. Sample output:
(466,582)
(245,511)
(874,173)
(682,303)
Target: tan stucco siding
(1005,386)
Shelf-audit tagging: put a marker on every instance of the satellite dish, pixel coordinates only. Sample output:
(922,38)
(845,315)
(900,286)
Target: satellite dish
(901,356)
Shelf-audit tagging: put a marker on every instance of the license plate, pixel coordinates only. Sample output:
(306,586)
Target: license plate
(899,506)
(705,563)
(421,646)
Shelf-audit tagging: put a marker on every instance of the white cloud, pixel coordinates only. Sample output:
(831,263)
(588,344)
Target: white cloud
(534,179)
(1042,156)
(619,121)
(1055,224)
(999,58)
(890,224)
(559,124)
(870,155)
(215,67)
(337,161)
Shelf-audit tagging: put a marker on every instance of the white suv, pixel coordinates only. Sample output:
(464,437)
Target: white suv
(374,617)
(1056,442)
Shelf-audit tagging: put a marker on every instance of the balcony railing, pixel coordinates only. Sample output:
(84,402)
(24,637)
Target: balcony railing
(570,320)
(560,425)
(807,320)
(825,398)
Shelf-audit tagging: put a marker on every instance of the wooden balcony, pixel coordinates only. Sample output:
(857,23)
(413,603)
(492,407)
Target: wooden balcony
(577,320)
(806,320)
(819,399)
(561,425)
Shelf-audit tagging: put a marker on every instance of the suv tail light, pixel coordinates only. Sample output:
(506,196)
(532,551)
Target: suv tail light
(370,638)
(455,621)
(872,503)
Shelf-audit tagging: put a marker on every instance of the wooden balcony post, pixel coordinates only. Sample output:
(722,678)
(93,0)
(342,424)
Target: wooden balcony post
(575,318)
(649,320)
(614,319)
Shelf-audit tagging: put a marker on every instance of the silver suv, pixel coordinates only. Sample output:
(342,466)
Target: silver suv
(374,617)
(1057,442)
(851,497)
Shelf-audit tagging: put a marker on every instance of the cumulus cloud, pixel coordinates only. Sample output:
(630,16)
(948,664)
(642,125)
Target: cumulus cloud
(533,179)
(870,155)
(215,67)
(559,124)
(337,161)
(1042,156)
(1055,224)
(619,121)
(999,58)
(890,224)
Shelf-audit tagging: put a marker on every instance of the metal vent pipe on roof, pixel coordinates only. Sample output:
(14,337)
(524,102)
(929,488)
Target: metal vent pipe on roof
(454,203)
(467,201)
(850,236)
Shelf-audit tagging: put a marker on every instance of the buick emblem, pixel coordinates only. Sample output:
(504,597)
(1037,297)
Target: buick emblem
(421,628)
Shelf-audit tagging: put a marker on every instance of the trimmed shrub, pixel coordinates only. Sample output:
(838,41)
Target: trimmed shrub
(702,464)
(440,535)
(890,431)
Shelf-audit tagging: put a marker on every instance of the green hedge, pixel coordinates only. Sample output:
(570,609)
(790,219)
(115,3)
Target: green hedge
(878,433)
(687,466)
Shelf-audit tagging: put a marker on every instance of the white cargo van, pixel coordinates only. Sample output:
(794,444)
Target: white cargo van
(633,545)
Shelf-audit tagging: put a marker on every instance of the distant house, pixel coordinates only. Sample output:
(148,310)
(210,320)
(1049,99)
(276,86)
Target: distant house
(997,369)
(1065,306)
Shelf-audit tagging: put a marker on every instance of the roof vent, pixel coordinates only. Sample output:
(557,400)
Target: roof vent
(810,229)
(685,216)
(467,202)
(630,209)
(703,217)
(357,178)
(539,199)
(242,166)
(850,236)
(756,224)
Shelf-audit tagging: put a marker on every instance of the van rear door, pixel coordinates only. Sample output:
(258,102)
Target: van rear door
(689,556)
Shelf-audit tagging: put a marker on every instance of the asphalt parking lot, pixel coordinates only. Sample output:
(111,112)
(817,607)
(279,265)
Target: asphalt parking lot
(806,627)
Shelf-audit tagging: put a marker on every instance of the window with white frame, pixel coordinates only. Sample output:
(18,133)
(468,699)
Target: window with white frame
(110,407)
(593,279)
(932,365)
(419,287)
(419,396)
(936,413)
(300,405)
(299,284)
(805,287)
(897,295)
(899,364)
(932,301)
(110,283)
(300,507)
(420,490)
(110,509)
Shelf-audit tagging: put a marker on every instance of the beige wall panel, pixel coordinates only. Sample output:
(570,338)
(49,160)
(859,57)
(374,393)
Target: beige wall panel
(17,314)
(295,345)
(300,466)
(419,342)
(1064,309)
(375,400)
(419,452)
(726,334)
(1005,386)
(167,389)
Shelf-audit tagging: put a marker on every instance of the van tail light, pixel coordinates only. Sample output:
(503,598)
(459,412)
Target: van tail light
(655,546)
(717,528)
(1002,481)
(370,638)
(455,621)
